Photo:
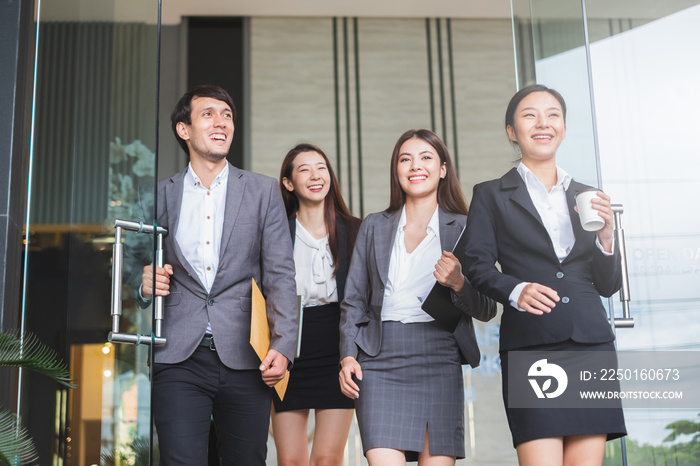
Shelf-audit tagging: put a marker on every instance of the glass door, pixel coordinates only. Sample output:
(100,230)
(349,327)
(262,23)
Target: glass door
(92,161)
(650,163)
(629,131)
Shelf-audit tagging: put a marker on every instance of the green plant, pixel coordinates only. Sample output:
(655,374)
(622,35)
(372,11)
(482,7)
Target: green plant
(25,351)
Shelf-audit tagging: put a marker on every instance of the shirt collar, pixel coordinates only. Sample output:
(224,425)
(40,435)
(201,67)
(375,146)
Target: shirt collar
(433,225)
(191,178)
(563,178)
(308,239)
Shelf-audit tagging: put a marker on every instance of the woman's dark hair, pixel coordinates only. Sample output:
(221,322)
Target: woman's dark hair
(333,204)
(183,108)
(524,92)
(449,193)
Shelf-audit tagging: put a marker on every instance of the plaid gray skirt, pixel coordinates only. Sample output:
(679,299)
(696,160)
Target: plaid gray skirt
(414,384)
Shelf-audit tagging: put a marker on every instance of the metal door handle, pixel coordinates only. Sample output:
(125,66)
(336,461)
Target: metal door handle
(118,251)
(626,321)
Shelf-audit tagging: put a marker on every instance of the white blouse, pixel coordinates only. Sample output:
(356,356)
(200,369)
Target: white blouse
(314,269)
(411,274)
(554,212)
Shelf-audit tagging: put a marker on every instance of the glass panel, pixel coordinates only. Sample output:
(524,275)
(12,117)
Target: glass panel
(92,161)
(645,162)
(550,47)
(649,163)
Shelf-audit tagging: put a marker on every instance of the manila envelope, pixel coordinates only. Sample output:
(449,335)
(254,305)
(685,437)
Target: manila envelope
(260,334)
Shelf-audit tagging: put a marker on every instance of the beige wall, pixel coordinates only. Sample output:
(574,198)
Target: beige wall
(292,95)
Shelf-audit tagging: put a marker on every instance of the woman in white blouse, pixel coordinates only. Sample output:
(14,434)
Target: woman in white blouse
(323,232)
(402,368)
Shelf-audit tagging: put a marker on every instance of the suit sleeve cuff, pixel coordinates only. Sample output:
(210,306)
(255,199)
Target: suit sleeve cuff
(515,295)
(599,246)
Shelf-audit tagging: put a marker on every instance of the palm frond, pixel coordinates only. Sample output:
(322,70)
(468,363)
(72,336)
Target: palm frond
(15,443)
(28,352)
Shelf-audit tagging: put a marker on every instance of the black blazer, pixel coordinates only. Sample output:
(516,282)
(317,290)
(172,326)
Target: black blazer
(504,227)
(347,241)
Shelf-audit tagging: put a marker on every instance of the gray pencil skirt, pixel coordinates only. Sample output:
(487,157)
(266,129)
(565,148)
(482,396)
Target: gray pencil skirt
(413,384)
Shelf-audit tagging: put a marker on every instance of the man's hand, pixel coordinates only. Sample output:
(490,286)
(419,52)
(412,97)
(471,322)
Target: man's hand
(273,367)
(162,281)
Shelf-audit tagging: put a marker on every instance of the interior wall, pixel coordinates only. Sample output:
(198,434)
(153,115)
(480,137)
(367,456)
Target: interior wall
(299,93)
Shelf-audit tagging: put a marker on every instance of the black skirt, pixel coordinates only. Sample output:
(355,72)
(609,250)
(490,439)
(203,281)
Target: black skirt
(535,423)
(313,380)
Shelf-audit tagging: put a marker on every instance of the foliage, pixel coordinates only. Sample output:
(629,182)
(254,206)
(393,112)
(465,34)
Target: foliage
(130,166)
(678,453)
(14,441)
(29,353)
(131,197)
(136,453)
(26,351)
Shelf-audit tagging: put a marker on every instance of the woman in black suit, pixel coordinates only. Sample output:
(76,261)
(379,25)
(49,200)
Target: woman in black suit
(323,233)
(551,278)
(401,366)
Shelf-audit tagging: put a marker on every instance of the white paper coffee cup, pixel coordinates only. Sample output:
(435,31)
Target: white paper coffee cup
(590,220)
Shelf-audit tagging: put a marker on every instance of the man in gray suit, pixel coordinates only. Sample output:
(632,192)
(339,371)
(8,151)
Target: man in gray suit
(225,226)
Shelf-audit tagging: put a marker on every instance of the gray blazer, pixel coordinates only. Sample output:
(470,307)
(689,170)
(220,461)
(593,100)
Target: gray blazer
(361,320)
(255,243)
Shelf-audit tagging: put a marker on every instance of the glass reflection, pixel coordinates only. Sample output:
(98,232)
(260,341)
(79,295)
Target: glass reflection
(93,160)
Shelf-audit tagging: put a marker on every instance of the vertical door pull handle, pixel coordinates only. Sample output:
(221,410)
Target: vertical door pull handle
(626,321)
(118,252)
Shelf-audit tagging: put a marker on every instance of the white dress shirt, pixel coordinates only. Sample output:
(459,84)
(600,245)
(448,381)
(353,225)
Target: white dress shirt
(410,275)
(554,212)
(314,269)
(201,223)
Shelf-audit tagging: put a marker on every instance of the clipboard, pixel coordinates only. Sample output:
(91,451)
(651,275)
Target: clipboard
(260,334)
(438,303)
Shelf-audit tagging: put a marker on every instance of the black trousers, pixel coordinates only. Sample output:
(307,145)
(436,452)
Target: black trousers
(187,394)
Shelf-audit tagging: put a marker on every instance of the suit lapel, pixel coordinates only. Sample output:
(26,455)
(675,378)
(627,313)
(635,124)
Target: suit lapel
(173,203)
(293,227)
(450,228)
(384,236)
(234,198)
(512,181)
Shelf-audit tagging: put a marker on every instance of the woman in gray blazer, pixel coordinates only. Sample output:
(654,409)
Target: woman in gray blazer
(401,366)
(552,273)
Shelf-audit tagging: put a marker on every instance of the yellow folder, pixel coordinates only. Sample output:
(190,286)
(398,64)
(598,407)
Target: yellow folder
(260,334)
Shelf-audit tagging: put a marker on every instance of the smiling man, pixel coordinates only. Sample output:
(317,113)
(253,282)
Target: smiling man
(225,226)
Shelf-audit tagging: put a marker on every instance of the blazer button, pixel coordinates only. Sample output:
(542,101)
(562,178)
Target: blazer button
(560,274)
(565,299)
(211,302)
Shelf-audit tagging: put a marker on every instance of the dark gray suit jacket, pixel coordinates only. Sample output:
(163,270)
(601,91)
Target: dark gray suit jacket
(254,243)
(504,227)
(361,320)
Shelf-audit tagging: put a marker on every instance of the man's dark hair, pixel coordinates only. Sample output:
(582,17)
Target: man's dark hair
(183,109)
